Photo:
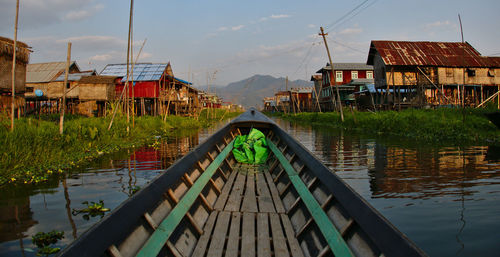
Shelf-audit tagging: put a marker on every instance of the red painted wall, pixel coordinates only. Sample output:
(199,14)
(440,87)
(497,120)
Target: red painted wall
(146,89)
(347,76)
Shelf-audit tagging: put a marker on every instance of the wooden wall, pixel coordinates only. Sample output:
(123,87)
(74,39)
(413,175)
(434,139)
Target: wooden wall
(452,76)
(6,74)
(100,92)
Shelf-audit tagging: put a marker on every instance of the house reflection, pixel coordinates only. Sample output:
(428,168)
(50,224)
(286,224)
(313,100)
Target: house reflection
(164,154)
(16,217)
(428,172)
(406,170)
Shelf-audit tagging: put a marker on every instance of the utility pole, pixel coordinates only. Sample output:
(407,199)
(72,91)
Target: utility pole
(14,51)
(339,103)
(132,70)
(63,100)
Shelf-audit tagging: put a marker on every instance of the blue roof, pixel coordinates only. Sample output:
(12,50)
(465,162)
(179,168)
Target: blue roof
(75,76)
(182,81)
(141,71)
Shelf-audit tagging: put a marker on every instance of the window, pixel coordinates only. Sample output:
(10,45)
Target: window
(338,76)
(491,73)
(471,73)
(369,74)
(29,89)
(354,74)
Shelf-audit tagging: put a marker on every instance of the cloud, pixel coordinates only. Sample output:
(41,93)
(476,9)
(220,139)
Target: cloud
(92,43)
(438,27)
(239,27)
(275,16)
(236,28)
(351,31)
(311,26)
(90,51)
(82,14)
(440,24)
(279,16)
(101,57)
(34,14)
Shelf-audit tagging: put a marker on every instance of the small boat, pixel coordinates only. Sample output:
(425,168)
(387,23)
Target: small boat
(208,204)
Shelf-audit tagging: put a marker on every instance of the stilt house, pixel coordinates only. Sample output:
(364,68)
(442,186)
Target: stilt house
(343,73)
(22,59)
(154,88)
(433,73)
(42,91)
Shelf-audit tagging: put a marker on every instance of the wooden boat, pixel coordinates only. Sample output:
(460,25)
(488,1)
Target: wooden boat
(207,204)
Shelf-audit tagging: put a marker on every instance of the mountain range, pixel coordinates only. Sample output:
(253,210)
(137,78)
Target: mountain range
(250,92)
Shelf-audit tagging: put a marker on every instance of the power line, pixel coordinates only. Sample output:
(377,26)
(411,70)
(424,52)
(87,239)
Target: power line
(346,46)
(354,15)
(347,14)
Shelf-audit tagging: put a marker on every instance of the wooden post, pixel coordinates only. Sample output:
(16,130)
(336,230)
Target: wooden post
(482,96)
(14,52)
(339,103)
(317,98)
(128,63)
(63,102)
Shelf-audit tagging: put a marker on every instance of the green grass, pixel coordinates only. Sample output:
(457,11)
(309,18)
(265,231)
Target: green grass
(441,126)
(35,150)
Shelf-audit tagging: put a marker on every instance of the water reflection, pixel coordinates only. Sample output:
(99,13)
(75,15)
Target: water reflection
(26,210)
(444,198)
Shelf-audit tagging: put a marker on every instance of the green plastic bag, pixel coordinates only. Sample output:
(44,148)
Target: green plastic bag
(251,148)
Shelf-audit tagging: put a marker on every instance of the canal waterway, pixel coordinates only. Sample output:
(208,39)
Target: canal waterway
(446,199)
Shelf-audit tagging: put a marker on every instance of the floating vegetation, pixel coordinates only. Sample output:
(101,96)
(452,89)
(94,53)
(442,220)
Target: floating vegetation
(93,209)
(35,151)
(44,242)
(133,190)
(442,126)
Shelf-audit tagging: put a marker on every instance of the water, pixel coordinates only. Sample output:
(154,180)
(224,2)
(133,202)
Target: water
(444,198)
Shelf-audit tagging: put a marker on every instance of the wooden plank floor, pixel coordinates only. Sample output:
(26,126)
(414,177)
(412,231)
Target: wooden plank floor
(248,219)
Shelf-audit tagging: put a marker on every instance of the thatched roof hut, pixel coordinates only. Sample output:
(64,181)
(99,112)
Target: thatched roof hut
(22,58)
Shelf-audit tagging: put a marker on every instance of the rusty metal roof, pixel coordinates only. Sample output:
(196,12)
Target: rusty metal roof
(425,53)
(45,72)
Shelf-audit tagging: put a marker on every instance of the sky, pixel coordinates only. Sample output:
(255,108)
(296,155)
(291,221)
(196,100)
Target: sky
(226,41)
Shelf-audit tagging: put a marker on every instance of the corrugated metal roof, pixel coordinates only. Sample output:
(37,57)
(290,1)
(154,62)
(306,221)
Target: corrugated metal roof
(141,71)
(301,89)
(424,53)
(346,66)
(361,81)
(181,80)
(45,72)
(75,76)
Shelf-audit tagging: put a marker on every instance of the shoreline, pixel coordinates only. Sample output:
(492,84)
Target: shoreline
(441,126)
(35,150)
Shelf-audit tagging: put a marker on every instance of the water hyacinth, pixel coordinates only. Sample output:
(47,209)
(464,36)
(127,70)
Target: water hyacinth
(445,125)
(35,150)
